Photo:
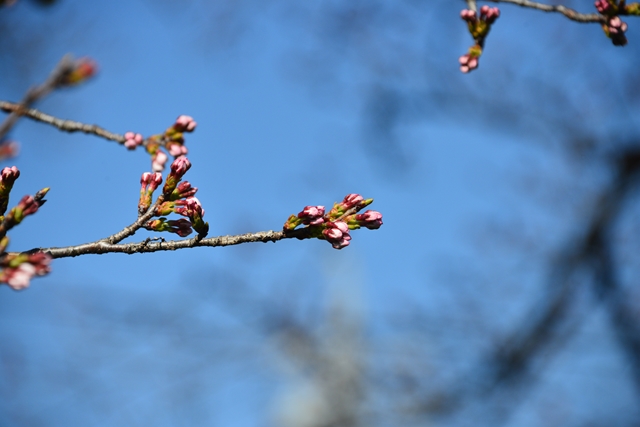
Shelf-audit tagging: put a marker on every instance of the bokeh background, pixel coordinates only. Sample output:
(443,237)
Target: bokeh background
(501,291)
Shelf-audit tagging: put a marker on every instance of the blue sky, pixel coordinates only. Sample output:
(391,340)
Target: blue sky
(282,123)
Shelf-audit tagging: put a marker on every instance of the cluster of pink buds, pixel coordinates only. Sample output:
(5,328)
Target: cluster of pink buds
(479,28)
(615,28)
(175,135)
(19,269)
(83,69)
(28,205)
(184,124)
(192,209)
(468,62)
(488,15)
(337,233)
(132,140)
(149,183)
(334,226)
(177,197)
(172,140)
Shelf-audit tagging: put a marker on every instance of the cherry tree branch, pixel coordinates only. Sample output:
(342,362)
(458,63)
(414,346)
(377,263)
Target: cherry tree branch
(54,80)
(569,13)
(64,125)
(104,246)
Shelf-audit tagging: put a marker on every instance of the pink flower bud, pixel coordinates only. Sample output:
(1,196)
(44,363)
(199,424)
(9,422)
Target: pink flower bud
(352,200)
(370,219)
(156,180)
(184,190)
(177,149)
(615,29)
(41,262)
(180,166)
(468,63)
(602,6)
(19,278)
(158,161)
(194,206)
(337,233)
(9,174)
(312,215)
(181,227)
(468,15)
(28,205)
(145,179)
(132,140)
(492,14)
(185,124)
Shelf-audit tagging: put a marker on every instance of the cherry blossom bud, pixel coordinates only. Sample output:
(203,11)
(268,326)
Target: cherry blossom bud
(26,206)
(41,262)
(603,6)
(489,14)
(312,215)
(20,277)
(185,124)
(195,212)
(132,140)
(149,183)
(615,29)
(181,227)
(176,149)
(179,167)
(468,15)
(351,200)
(468,63)
(337,233)
(370,219)
(183,190)
(158,161)
(9,175)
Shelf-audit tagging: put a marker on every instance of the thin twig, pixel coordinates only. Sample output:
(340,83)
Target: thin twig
(569,13)
(471,5)
(53,81)
(130,230)
(64,125)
